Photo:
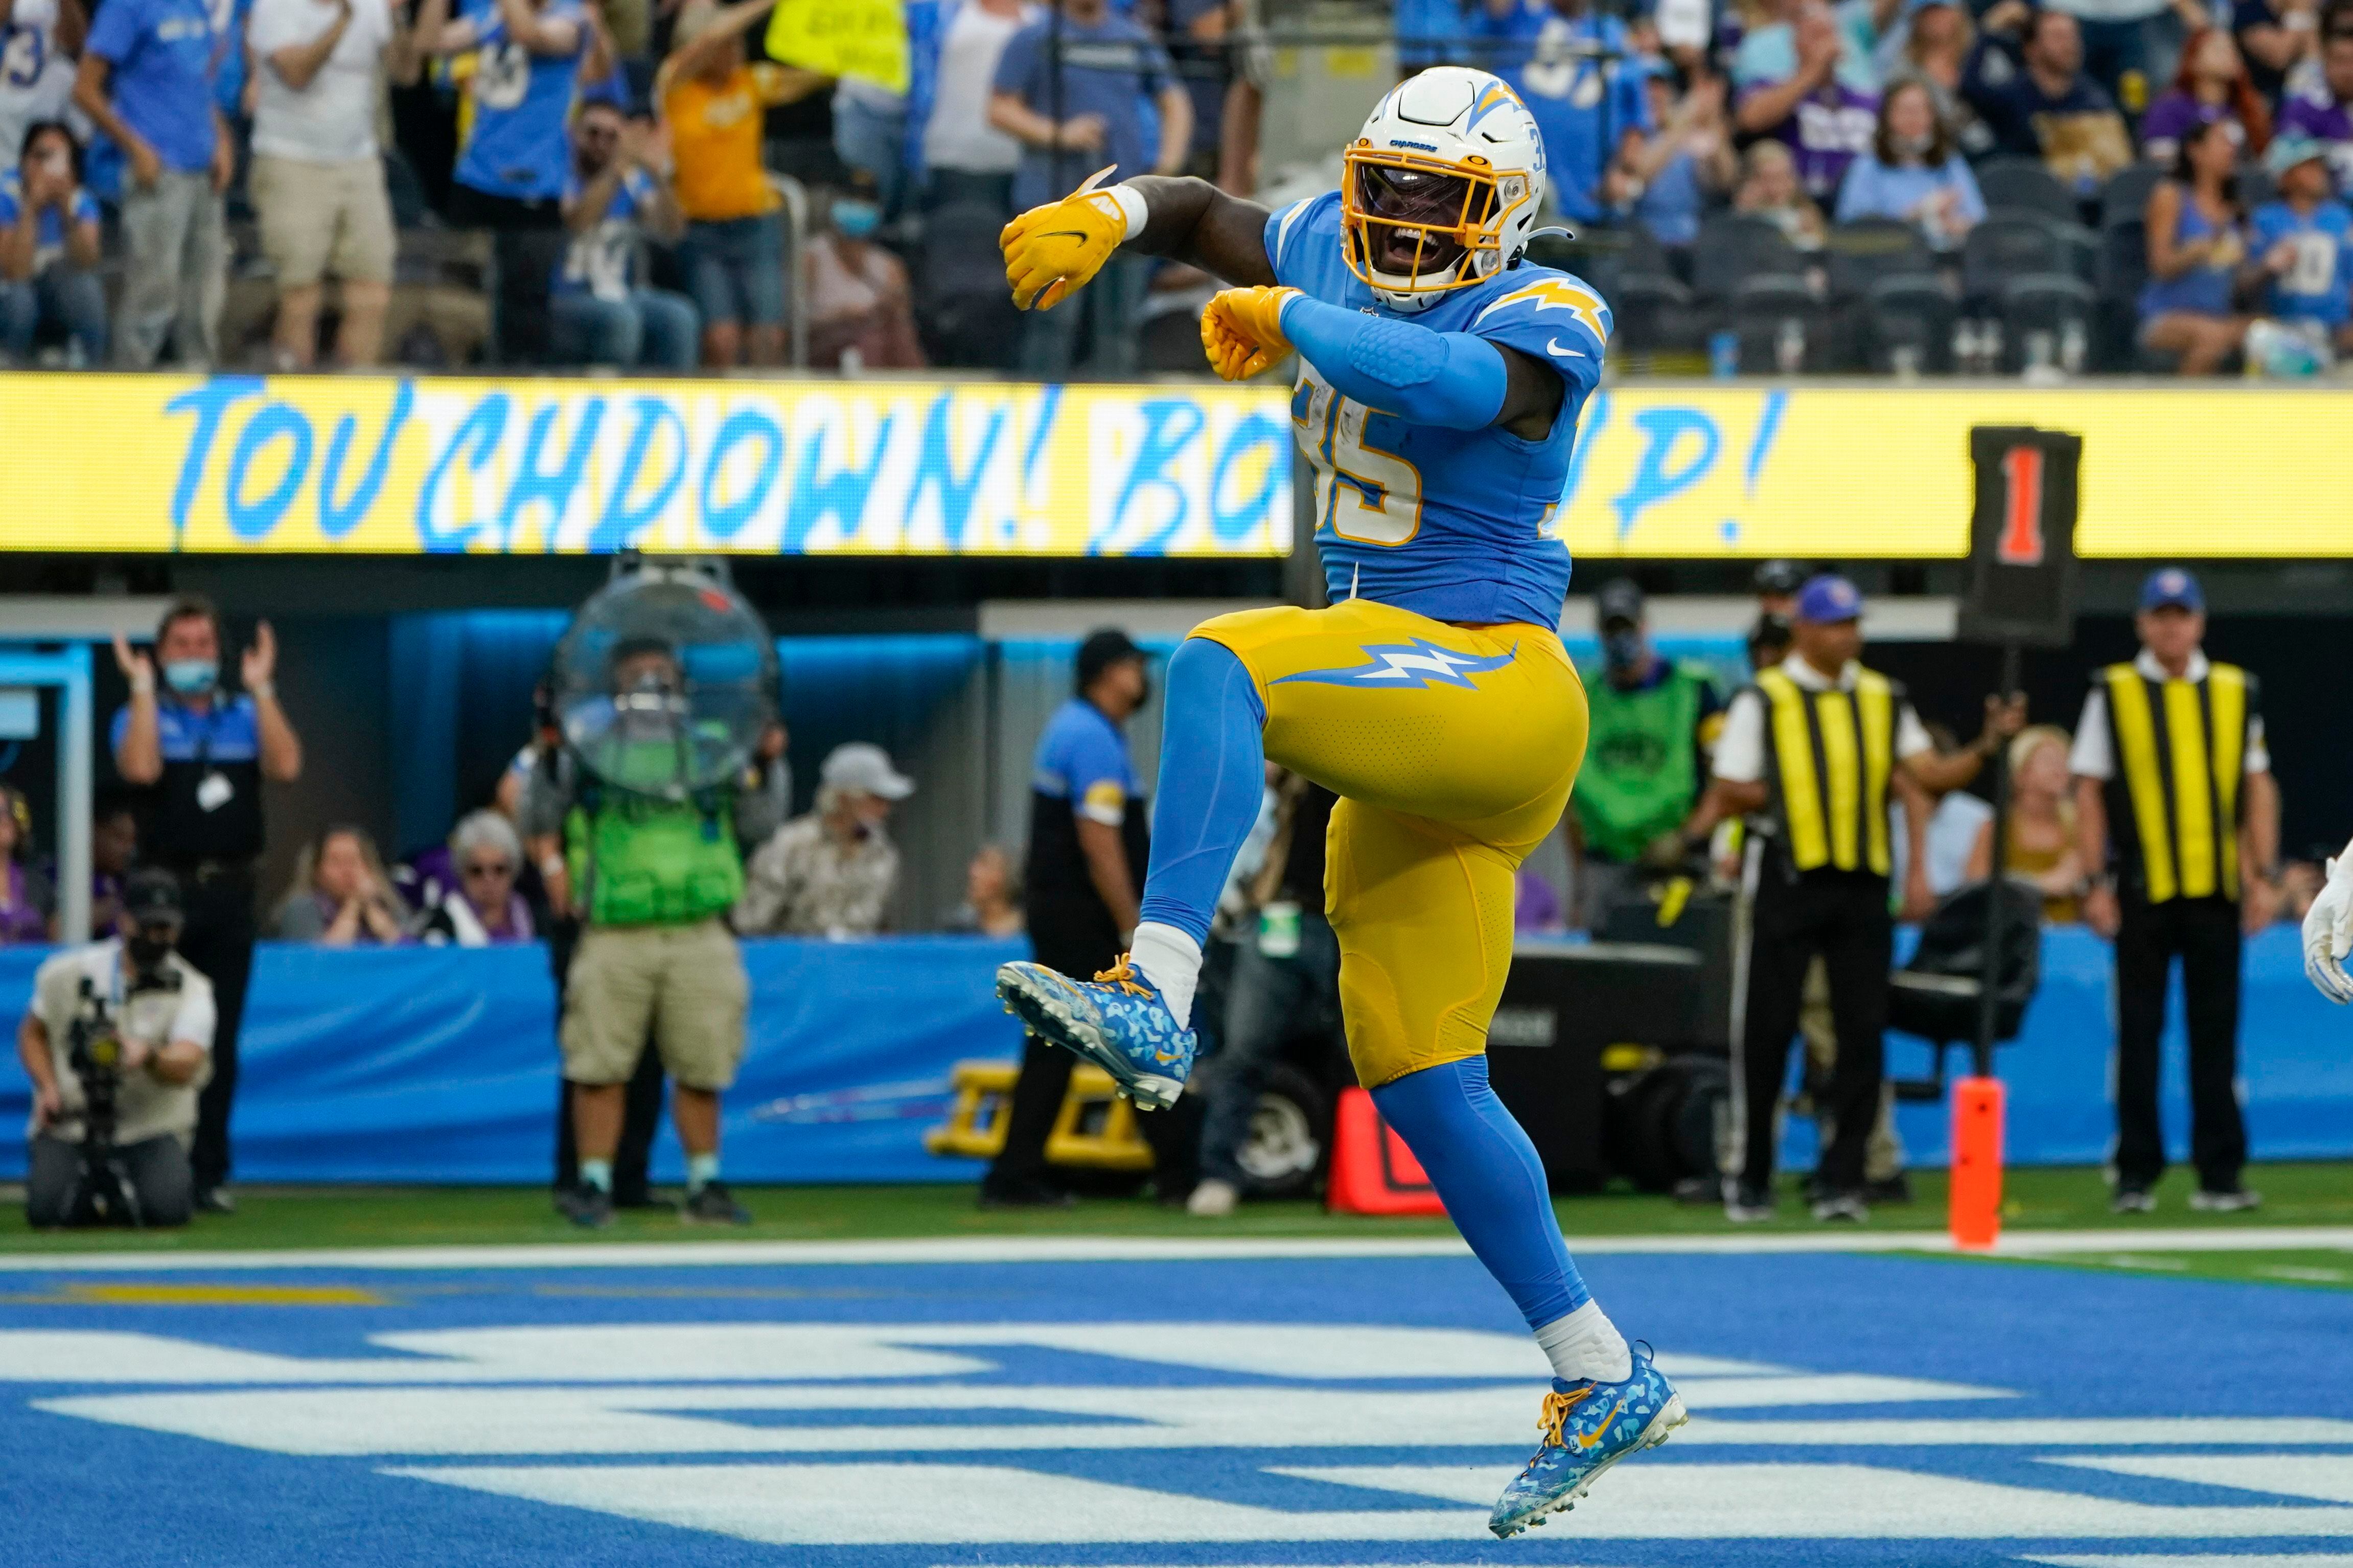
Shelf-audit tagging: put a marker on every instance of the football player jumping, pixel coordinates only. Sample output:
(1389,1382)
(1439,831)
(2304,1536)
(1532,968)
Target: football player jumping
(1440,381)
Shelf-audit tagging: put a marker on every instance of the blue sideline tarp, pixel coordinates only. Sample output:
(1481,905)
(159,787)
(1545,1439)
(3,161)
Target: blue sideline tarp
(439,1064)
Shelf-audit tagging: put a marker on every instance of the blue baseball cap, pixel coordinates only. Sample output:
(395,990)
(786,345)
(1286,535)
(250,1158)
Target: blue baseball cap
(2169,587)
(1828,598)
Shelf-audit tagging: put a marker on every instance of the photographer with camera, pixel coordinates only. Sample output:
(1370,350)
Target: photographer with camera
(118,1043)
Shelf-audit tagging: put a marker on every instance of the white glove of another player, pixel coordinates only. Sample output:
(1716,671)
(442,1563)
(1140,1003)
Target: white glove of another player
(2328,931)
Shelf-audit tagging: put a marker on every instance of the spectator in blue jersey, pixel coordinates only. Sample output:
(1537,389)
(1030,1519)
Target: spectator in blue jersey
(1108,67)
(49,249)
(1433,33)
(2187,306)
(618,192)
(528,60)
(1575,70)
(196,755)
(146,80)
(1912,173)
(2304,241)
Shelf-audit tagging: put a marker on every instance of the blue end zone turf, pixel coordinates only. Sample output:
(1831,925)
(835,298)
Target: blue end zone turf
(1311,1410)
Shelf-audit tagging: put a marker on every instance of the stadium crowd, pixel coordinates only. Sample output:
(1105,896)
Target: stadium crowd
(1782,185)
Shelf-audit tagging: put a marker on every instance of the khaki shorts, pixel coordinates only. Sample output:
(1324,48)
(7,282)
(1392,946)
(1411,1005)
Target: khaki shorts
(319,219)
(683,984)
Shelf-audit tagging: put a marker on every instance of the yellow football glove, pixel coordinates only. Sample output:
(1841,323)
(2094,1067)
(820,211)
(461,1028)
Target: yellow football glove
(1242,331)
(1050,252)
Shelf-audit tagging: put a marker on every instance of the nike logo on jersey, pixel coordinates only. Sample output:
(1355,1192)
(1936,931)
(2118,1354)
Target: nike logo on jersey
(1557,351)
(1415,666)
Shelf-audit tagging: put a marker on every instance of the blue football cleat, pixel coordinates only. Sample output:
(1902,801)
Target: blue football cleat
(1586,1429)
(1117,1022)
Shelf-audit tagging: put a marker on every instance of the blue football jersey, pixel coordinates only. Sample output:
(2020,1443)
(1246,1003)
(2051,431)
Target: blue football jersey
(520,146)
(1451,524)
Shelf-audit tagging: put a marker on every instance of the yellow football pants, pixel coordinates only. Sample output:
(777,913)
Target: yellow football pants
(1452,749)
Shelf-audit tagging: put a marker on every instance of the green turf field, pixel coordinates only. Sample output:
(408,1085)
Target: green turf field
(2037,1199)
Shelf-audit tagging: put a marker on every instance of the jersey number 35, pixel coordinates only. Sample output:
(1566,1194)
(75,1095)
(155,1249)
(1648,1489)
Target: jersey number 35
(1362,493)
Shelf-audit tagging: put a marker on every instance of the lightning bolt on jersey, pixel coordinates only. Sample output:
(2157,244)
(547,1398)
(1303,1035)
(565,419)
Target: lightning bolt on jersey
(1451,524)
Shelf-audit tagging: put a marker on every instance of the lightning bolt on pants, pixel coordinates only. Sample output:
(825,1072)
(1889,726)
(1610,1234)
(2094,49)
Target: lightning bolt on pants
(1453,749)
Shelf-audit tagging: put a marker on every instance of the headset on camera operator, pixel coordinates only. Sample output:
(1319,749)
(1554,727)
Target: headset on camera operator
(117,1042)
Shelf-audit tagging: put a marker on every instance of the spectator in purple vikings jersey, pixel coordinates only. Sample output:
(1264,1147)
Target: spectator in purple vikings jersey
(1809,82)
(2304,242)
(2325,115)
(49,249)
(2212,85)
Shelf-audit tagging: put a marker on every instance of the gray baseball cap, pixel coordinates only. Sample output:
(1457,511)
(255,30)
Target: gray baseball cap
(867,768)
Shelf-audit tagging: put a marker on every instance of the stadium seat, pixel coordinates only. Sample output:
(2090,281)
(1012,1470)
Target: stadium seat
(2126,195)
(2124,268)
(1760,308)
(1735,247)
(1864,252)
(2023,185)
(1915,310)
(1655,310)
(2005,246)
(2044,302)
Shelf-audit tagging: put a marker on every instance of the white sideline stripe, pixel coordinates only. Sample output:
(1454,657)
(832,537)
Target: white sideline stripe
(2312,1559)
(897,1504)
(1145,1249)
(2324,1478)
(447,1422)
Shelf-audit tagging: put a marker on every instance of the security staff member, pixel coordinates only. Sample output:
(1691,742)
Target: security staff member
(197,756)
(2174,799)
(1088,846)
(1813,749)
(1652,720)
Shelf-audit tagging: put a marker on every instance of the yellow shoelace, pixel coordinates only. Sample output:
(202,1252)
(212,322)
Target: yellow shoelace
(1123,975)
(1556,1406)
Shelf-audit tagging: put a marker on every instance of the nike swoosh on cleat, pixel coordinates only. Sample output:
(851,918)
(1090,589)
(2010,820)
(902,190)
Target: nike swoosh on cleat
(1600,1426)
(1557,351)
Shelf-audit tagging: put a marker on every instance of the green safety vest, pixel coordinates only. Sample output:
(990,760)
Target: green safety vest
(1640,775)
(652,862)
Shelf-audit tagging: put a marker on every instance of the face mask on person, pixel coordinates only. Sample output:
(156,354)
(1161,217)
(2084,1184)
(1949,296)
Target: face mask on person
(1621,649)
(149,948)
(1913,146)
(855,219)
(189,677)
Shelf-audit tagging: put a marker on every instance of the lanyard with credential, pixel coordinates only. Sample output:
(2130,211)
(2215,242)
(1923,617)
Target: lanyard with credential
(213,790)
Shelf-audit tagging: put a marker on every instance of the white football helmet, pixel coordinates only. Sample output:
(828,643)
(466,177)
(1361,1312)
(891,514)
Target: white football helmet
(1441,188)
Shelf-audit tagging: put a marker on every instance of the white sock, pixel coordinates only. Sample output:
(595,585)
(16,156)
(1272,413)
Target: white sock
(1584,1345)
(1171,960)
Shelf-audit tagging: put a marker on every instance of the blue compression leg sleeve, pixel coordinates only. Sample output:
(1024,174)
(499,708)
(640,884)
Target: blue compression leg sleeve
(1487,1173)
(1450,379)
(1212,778)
